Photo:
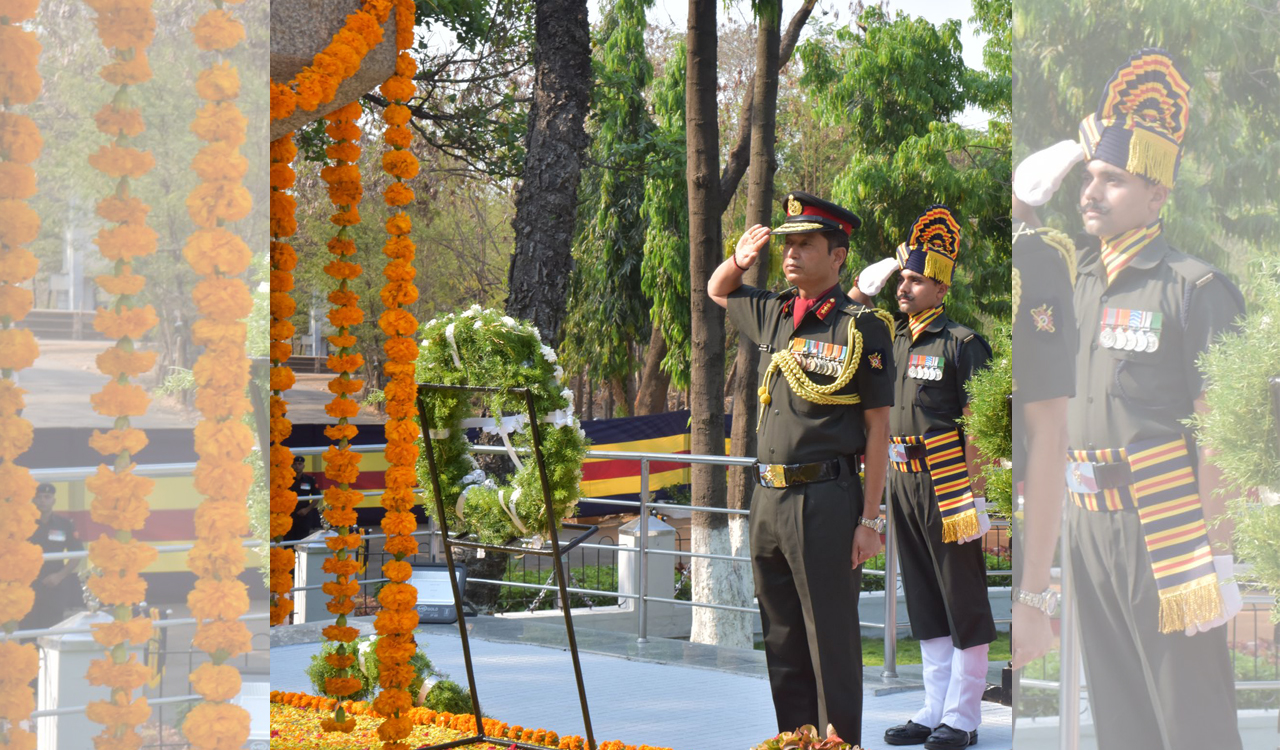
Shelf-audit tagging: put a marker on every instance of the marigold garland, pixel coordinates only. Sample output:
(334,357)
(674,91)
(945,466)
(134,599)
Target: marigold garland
(398,617)
(457,722)
(318,82)
(120,496)
(20,560)
(222,440)
(342,465)
(283,261)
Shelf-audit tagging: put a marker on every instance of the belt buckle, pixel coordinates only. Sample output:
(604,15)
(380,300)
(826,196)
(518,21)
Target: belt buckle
(768,477)
(1081,478)
(898,453)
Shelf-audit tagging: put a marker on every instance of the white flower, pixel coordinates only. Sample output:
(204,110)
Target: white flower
(567,394)
(509,321)
(548,353)
(478,324)
(559,373)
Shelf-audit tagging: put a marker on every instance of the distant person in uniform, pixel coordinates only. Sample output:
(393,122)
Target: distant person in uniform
(57,588)
(306,514)
(939,510)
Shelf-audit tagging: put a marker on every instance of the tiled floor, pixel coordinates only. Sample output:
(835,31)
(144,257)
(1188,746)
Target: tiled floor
(690,705)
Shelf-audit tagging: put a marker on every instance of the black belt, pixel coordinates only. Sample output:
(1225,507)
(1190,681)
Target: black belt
(789,475)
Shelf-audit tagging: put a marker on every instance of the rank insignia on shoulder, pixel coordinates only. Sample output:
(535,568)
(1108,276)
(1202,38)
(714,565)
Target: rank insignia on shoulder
(876,360)
(825,309)
(1043,317)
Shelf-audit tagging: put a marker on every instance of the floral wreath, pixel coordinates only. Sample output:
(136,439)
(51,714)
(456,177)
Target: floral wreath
(486,348)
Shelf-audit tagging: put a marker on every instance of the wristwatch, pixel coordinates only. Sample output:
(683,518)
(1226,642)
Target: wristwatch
(875,524)
(1046,601)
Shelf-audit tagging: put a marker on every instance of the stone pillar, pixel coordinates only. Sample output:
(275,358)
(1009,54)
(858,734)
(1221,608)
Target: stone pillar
(661,567)
(309,606)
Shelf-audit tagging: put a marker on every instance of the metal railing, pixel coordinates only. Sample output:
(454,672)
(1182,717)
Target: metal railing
(643,507)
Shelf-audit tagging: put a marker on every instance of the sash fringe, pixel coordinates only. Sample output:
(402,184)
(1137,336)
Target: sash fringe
(1200,601)
(960,526)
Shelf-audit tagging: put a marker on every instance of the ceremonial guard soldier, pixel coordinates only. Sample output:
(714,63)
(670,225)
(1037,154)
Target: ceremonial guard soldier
(826,387)
(936,513)
(1151,594)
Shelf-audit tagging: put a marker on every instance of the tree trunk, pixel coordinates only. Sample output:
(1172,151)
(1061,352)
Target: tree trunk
(621,390)
(547,198)
(654,383)
(715,581)
(759,211)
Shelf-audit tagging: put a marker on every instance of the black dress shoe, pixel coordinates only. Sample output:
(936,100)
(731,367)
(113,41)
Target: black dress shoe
(910,733)
(950,738)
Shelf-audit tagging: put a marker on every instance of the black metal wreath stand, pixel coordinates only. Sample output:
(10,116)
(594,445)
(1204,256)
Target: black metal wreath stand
(556,553)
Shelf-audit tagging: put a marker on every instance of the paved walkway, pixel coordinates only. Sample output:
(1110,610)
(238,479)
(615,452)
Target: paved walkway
(675,694)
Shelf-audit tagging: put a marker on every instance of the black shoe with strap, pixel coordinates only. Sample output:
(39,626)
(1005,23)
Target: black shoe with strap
(910,733)
(949,738)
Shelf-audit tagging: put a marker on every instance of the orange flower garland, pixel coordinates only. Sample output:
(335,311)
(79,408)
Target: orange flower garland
(20,560)
(317,83)
(120,496)
(398,617)
(342,466)
(222,440)
(283,261)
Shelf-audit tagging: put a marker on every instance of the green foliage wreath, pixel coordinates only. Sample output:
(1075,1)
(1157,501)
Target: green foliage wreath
(486,348)
(990,426)
(1240,426)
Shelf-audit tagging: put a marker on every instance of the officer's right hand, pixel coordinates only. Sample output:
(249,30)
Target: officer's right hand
(866,545)
(1032,634)
(749,246)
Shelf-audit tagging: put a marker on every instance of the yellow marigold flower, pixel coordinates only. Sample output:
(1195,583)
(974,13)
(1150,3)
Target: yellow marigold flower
(20,139)
(218,83)
(20,223)
(121,161)
(398,194)
(18,349)
(116,361)
(216,30)
(17,181)
(127,72)
(20,82)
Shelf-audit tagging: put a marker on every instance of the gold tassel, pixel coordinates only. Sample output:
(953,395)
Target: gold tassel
(938,267)
(1152,156)
(959,526)
(1191,603)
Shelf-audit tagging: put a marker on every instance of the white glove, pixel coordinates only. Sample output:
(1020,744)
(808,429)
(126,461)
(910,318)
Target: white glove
(874,276)
(984,522)
(1040,175)
(1232,602)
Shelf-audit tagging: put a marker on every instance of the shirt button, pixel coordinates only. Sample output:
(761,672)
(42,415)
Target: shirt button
(1091,445)
(771,450)
(775,411)
(1105,298)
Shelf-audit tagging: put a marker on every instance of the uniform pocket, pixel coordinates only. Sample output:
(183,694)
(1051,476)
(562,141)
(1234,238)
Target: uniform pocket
(1145,380)
(936,397)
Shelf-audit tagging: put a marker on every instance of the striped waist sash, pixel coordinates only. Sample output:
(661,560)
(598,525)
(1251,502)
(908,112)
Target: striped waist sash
(1162,489)
(944,457)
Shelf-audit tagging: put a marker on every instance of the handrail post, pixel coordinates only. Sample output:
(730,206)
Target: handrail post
(642,545)
(890,589)
(1068,663)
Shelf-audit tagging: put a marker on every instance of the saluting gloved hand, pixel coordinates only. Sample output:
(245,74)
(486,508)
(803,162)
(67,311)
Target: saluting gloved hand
(984,522)
(1232,602)
(874,276)
(1040,175)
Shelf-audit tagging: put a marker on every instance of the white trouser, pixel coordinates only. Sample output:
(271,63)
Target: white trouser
(954,681)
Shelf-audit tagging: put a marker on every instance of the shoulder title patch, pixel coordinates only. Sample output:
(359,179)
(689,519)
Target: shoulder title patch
(876,360)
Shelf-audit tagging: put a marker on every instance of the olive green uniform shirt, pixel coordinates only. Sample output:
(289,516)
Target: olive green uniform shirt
(1124,396)
(927,400)
(793,430)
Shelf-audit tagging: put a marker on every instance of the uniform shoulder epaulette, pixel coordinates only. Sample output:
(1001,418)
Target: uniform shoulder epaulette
(1058,241)
(1197,273)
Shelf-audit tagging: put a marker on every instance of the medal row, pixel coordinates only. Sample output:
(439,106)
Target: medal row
(1129,340)
(925,373)
(819,365)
